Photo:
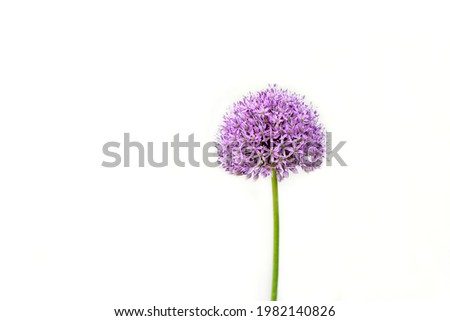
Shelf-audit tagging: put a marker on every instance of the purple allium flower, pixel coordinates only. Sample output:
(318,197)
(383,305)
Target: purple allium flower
(273,129)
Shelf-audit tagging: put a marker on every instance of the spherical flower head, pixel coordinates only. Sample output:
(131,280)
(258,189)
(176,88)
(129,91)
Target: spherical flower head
(273,129)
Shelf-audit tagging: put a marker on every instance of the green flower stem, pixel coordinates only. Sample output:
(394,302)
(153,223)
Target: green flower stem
(276,235)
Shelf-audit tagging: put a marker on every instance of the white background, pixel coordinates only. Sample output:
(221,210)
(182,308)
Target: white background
(78,239)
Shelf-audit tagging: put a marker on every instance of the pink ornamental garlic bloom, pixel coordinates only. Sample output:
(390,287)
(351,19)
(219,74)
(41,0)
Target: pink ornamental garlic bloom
(273,129)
